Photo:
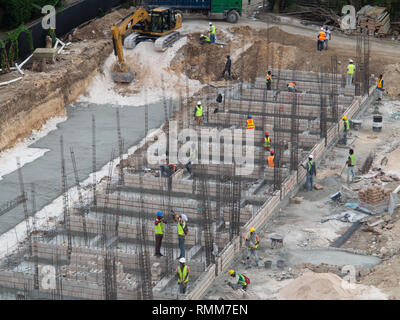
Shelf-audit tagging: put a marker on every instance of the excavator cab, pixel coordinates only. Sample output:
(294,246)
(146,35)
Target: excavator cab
(162,20)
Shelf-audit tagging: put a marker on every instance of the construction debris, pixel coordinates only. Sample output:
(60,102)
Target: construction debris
(374,20)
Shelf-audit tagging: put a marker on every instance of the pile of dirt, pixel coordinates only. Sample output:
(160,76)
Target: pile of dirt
(326,286)
(391,77)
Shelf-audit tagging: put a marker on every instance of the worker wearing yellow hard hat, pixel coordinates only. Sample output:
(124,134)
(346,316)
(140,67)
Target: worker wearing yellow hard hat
(243,281)
(346,129)
(252,241)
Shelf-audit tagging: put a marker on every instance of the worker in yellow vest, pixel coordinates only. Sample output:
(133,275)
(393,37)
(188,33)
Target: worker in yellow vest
(292,86)
(268,80)
(182,272)
(379,87)
(350,72)
(243,281)
(252,241)
(267,141)
(212,32)
(250,122)
(198,113)
(321,39)
(346,129)
(271,159)
(159,233)
(182,231)
(351,162)
(204,39)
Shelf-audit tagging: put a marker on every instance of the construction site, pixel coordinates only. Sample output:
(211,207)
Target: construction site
(81,185)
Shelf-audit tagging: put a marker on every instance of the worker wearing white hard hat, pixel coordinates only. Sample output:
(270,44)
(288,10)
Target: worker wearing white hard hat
(212,32)
(198,113)
(311,171)
(182,272)
(182,231)
(350,72)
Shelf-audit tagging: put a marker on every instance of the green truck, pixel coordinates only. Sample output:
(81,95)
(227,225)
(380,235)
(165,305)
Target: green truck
(231,10)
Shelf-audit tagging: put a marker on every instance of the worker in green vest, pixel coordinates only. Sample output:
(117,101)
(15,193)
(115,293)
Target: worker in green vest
(311,171)
(204,39)
(350,72)
(351,162)
(243,281)
(212,32)
(346,129)
(158,233)
(198,113)
(268,80)
(252,241)
(182,272)
(182,231)
(267,141)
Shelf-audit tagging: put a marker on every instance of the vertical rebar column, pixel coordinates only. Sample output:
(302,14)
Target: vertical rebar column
(94,161)
(366,65)
(334,90)
(359,66)
(121,180)
(34,242)
(235,203)
(294,134)
(25,205)
(323,104)
(278,147)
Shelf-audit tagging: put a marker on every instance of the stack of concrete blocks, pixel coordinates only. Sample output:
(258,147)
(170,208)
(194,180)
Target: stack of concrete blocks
(373,195)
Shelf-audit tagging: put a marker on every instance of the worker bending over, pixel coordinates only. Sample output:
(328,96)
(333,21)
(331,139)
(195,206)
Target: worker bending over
(267,141)
(204,39)
(212,32)
(198,113)
(182,272)
(351,162)
(311,171)
(252,240)
(350,72)
(159,233)
(271,158)
(268,80)
(250,122)
(243,281)
(346,129)
(321,39)
(291,86)
(379,88)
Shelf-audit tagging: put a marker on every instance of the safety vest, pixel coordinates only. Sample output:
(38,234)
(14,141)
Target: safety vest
(352,160)
(380,84)
(267,141)
(241,280)
(159,228)
(193,154)
(182,275)
(206,38)
(180,229)
(271,161)
(256,237)
(291,84)
(250,124)
(199,111)
(310,164)
(321,35)
(351,68)
(346,125)
(212,29)
(268,78)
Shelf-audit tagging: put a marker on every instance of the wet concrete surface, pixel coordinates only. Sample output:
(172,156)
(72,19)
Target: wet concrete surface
(45,172)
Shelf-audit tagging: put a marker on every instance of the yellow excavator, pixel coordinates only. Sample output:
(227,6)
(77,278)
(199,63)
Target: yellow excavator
(158,25)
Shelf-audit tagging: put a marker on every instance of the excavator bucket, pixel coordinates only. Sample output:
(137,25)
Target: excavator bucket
(122,77)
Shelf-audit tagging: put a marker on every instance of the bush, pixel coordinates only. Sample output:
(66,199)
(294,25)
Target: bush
(17,12)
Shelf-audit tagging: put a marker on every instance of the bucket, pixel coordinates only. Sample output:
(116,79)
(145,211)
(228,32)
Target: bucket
(377,123)
(267,264)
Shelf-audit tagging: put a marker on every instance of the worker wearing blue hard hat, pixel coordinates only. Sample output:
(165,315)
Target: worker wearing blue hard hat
(250,122)
(159,233)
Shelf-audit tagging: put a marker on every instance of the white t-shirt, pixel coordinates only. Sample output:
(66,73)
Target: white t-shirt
(327,34)
(162,161)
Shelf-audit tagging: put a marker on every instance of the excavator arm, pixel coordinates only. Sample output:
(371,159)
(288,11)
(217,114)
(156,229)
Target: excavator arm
(123,26)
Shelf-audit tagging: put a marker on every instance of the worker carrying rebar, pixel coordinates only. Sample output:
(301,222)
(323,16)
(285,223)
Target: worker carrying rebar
(311,171)
(227,68)
(159,233)
(182,231)
(204,39)
(243,281)
(346,129)
(291,86)
(271,158)
(350,72)
(198,113)
(192,158)
(182,273)
(252,241)
(321,39)
(351,162)
(379,87)
(268,80)
(212,32)
(250,122)
(267,141)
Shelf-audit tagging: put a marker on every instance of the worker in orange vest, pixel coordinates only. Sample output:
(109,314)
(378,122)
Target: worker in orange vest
(292,86)
(250,122)
(271,159)
(321,39)
(380,87)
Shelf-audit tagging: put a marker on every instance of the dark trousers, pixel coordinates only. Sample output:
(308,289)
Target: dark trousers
(320,45)
(268,85)
(182,288)
(189,167)
(226,70)
(159,238)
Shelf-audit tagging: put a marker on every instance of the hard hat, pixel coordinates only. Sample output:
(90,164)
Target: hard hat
(210,23)
(310,156)
(249,116)
(322,28)
(159,214)
(202,35)
(199,102)
(182,260)
(267,133)
(184,217)
(272,152)
(350,60)
(344,118)
(252,230)
(231,272)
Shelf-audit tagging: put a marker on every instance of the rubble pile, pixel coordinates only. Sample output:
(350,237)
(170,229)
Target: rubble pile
(373,194)
(374,20)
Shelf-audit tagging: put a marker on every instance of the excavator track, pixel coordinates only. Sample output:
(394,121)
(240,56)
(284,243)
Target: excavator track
(162,43)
